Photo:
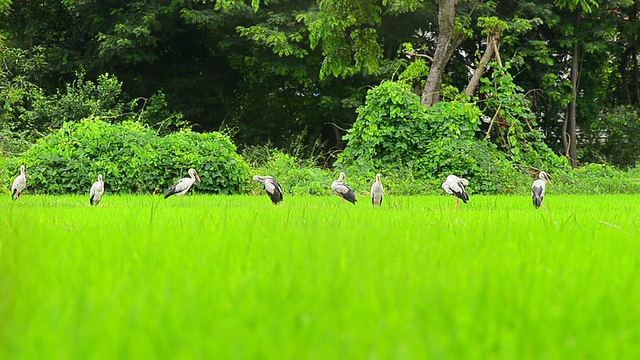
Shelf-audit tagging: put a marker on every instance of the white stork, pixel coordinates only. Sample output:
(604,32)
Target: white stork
(456,186)
(97,189)
(538,189)
(271,186)
(19,183)
(341,189)
(377,192)
(183,185)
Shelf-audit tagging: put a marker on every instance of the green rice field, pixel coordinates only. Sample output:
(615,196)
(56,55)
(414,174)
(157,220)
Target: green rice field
(234,277)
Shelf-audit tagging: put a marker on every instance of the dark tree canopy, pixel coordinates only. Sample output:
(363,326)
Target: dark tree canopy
(281,72)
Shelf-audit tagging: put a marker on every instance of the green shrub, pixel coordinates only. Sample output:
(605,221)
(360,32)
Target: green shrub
(395,134)
(390,131)
(132,158)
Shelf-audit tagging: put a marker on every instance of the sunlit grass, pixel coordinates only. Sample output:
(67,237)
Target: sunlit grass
(236,277)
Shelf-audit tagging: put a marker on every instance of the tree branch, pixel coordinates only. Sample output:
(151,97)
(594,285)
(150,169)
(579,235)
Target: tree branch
(419,55)
(475,79)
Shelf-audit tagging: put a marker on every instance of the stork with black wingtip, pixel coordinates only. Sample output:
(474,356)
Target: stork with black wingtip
(377,192)
(271,187)
(539,188)
(19,183)
(183,185)
(97,189)
(343,190)
(456,186)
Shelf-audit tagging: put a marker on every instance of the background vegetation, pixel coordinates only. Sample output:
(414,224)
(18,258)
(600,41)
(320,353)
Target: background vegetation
(132,159)
(327,86)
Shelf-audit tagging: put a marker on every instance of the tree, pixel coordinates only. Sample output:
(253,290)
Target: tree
(493,30)
(347,31)
(446,44)
(570,139)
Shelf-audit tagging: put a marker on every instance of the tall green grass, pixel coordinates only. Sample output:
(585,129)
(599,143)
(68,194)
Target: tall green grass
(236,277)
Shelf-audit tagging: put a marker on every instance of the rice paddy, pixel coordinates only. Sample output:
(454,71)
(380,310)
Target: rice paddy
(236,277)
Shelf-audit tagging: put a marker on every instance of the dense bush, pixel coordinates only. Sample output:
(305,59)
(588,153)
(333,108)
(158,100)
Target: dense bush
(390,130)
(132,158)
(395,134)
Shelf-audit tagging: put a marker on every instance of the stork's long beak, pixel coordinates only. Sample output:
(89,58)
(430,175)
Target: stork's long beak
(198,178)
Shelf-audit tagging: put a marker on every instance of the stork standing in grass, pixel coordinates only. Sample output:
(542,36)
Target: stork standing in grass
(456,186)
(343,190)
(377,192)
(97,189)
(19,183)
(272,188)
(538,188)
(183,185)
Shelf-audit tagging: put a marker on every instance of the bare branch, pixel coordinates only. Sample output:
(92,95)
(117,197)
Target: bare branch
(419,55)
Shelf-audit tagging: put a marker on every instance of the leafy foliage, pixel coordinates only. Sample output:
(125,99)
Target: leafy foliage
(613,137)
(415,74)
(268,69)
(132,159)
(514,124)
(283,43)
(18,89)
(390,129)
(82,99)
(103,98)
(345,29)
(394,133)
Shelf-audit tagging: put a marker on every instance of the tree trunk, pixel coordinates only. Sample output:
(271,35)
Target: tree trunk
(565,142)
(636,89)
(444,50)
(488,54)
(571,126)
(634,57)
(338,136)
